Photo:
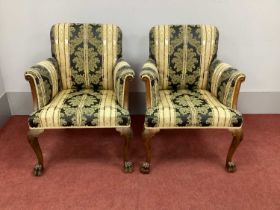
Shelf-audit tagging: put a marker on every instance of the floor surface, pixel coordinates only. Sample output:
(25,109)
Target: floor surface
(83,169)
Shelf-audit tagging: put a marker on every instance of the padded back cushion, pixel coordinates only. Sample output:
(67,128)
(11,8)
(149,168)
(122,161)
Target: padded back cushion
(86,54)
(183,54)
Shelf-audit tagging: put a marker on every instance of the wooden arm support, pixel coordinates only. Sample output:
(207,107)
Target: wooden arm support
(33,91)
(128,79)
(236,92)
(148,91)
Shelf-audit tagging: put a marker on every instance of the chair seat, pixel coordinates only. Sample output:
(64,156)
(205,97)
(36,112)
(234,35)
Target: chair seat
(185,108)
(84,108)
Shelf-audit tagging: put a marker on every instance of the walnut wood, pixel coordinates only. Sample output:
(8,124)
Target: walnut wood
(236,92)
(33,91)
(147,135)
(148,91)
(126,91)
(127,134)
(33,141)
(237,138)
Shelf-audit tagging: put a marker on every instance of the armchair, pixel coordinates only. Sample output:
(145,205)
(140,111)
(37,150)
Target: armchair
(84,85)
(186,87)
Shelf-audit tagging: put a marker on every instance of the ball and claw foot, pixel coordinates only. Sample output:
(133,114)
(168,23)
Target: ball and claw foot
(145,168)
(128,167)
(230,167)
(38,170)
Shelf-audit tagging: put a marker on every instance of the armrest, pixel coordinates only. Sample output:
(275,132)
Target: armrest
(123,73)
(150,76)
(44,82)
(224,83)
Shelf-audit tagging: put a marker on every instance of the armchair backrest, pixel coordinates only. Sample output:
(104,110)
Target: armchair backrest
(183,54)
(86,54)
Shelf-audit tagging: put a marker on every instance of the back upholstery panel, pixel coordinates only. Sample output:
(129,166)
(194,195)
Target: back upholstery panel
(183,54)
(86,54)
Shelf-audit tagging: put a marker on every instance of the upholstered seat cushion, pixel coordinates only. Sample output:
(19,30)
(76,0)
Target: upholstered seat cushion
(185,108)
(80,109)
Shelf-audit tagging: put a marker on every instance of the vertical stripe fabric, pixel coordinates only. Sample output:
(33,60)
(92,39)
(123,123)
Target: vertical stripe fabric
(61,42)
(107,113)
(80,109)
(188,86)
(46,78)
(208,50)
(183,54)
(166,110)
(86,54)
(52,112)
(181,109)
(221,114)
(86,69)
(184,57)
(150,72)
(122,71)
(223,81)
(77,86)
(110,37)
(53,75)
(161,36)
(221,68)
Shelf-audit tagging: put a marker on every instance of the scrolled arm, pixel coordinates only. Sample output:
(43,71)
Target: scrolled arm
(44,82)
(150,76)
(123,73)
(224,82)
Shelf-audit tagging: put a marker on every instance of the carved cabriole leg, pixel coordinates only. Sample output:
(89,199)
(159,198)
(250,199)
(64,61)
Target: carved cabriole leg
(147,135)
(127,134)
(237,138)
(33,141)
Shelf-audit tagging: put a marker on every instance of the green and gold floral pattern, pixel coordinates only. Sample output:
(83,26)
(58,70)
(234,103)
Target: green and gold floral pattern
(46,77)
(222,81)
(72,108)
(150,72)
(182,54)
(188,87)
(86,54)
(188,108)
(122,71)
(83,84)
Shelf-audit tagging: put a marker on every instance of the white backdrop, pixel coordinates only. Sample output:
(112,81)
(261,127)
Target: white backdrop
(249,32)
(2,89)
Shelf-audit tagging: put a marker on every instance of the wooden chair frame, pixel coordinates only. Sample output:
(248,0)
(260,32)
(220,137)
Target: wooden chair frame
(33,133)
(148,133)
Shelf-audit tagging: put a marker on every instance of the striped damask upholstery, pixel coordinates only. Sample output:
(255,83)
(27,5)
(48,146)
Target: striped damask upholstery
(84,83)
(86,54)
(222,81)
(188,86)
(191,108)
(121,73)
(47,80)
(150,72)
(79,109)
(183,54)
